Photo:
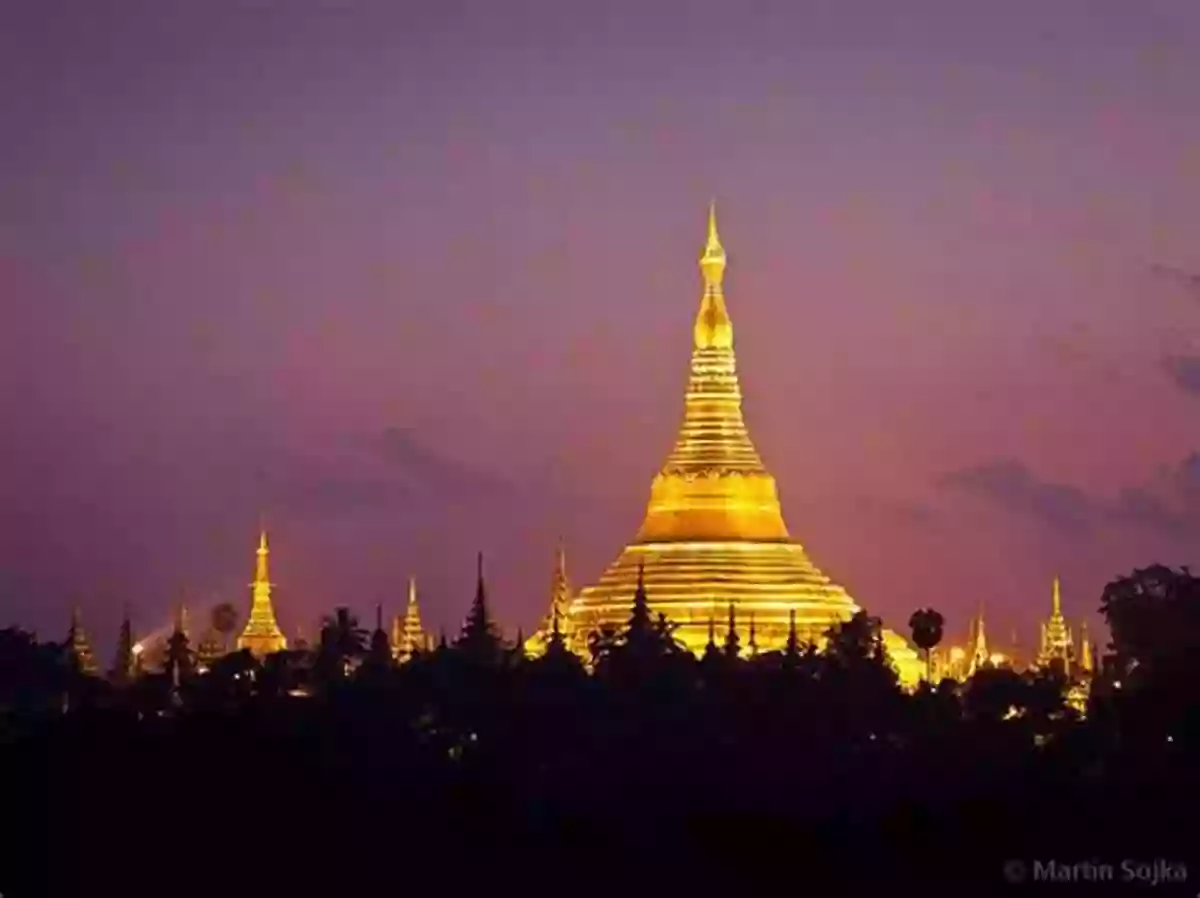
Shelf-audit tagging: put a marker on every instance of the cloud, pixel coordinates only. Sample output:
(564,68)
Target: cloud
(902,511)
(1169,503)
(325,488)
(1140,506)
(430,470)
(1012,485)
(391,470)
(1187,279)
(1184,371)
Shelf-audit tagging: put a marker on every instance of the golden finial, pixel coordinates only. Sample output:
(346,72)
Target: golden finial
(712,262)
(261,574)
(1056,599)
(412,591)
(713,328)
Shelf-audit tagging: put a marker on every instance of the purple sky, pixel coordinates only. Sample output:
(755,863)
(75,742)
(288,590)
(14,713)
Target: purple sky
(417,279)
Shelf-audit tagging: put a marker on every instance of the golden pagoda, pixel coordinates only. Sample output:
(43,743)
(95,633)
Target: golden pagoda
(262,635)
(560,602)
(1057,645)
(1087,661)
(714,534)
(977,654)
(408,636)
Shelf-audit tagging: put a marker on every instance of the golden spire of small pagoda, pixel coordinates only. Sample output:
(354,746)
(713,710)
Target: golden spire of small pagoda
(1056,636)
(560,589)
(408,636)
(262,635)
(559,610)
(979,651)
(1087,662)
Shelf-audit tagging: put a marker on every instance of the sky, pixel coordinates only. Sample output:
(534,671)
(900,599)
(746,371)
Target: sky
(413,281)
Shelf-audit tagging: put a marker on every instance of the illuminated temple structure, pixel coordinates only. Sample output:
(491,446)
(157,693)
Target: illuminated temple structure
(262,635)
(408,636)
(1057,646)
(714,536)
(560,603)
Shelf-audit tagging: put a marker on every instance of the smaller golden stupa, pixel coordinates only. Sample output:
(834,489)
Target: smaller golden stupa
(408,636)
(262,635)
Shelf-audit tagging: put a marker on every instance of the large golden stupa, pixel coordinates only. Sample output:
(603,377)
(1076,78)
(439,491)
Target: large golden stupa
(714,534)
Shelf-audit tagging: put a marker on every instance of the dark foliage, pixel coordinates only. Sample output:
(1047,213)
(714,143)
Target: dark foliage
(787,772)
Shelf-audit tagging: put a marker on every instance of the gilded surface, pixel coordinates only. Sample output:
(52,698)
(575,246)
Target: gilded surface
(261,634)
(714,532)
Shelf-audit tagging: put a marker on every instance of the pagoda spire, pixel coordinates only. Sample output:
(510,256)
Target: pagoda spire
(380,654)
(1087,662)
(979,649)
(640,623)
(713,522)
(262,635)
(713,440)
(752,644)
(408,636)
(1057,645)
(560,586)
(479,637)
(713,329)
(559,611)
(732,643)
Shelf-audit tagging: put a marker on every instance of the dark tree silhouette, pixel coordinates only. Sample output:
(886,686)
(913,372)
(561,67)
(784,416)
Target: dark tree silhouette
(480,639)
(927,628)
(1153,615)
(650,759)
(179,662)
(379,655)
(122,671)
(343,644)
(224,621)
(856,641)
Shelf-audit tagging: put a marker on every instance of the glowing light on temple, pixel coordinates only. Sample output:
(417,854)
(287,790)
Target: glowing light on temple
(560,603)
(978,654)
(1057,644)
(262,635)
(714,535)
(408,636)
